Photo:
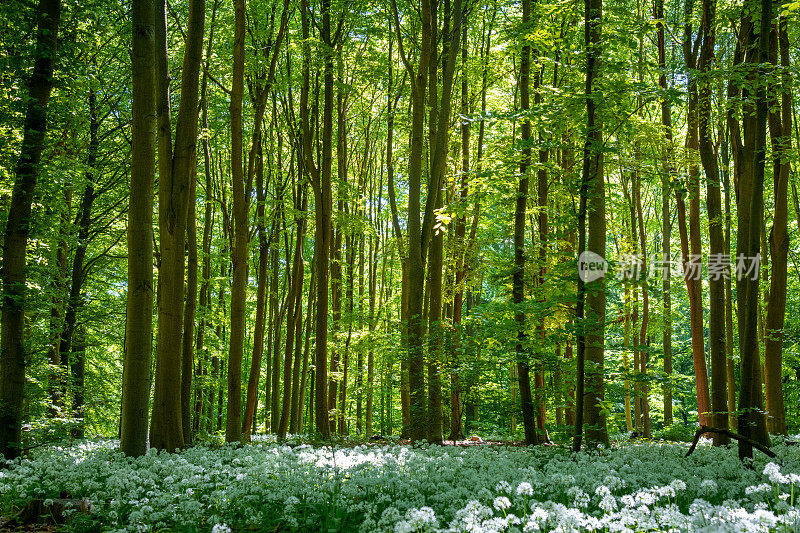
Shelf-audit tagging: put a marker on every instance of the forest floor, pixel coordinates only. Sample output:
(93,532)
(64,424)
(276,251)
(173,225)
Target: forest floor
(473,486)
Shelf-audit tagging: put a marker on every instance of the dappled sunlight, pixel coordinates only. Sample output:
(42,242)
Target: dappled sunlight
(643,487)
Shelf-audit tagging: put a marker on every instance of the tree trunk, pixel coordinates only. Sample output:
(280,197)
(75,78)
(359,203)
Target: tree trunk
(518,290)
(12,351)
(415,263)
(590,388)
(643,349)
(261,314)
(280,311)
(233,423)
(780,130)
(294,316)
(187,351)
(307,346)
(139,304)
(83,222)
(58,357)
(323,210)
(77,370)
(717,253)
(752,423)
(666,221)
(176,170)
(690,242)
(436,336)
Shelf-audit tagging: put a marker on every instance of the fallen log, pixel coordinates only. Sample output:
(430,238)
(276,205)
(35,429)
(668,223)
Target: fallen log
(708,429)
(41,511)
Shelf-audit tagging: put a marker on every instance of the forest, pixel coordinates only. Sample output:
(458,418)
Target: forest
(399,265)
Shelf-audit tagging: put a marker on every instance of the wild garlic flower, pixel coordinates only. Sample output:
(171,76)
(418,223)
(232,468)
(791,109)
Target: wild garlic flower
(525,489)
(501,503)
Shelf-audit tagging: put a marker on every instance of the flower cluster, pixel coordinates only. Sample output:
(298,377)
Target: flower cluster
(641,487)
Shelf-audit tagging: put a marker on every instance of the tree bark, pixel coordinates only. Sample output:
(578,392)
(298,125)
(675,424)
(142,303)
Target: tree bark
(717,254)
(233,423)
(13,353)
(752,422)
(323,207)
(294,317)
(187,350)
(175,172)
(690,242)
(780,121)
(261,299)
(139,305)
(666,221)
(590,387)
(518,288)
(83,221)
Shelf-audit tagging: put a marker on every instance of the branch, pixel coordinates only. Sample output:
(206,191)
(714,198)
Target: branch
(216,81)
(707,429)
(396,19)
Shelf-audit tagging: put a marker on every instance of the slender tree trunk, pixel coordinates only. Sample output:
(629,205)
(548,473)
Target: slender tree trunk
(294,316)
(589,379)
(542,223)
(187,351)
(277,324)
(59,358)
(666,221)
(208,219)
(273,340)
(690,242)
(342,402)
(323,202)
(77,369)
(83,221)
(139,304)
(360,351)
(780,122)
(644,404)
(373,323)
(12,348)
(306,348)
(405,398)
(717,252)
(518,291)
(233,424)
(436,336)
(730,367)
(415,263)
(261,299)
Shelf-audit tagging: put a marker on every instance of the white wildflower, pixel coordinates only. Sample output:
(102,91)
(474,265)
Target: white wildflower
(501,502)
(525,489)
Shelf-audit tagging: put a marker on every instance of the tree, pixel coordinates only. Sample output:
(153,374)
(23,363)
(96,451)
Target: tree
(666,221)
(752,422)
(419,232)
(323,204)
(590,386)
(518,291)
(13,352)
(690,240)
(139,316)
(176,168)
(780,125)
(233,425)
(709,159)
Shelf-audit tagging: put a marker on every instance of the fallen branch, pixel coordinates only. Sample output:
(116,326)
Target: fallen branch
(37,511)
(708,429)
